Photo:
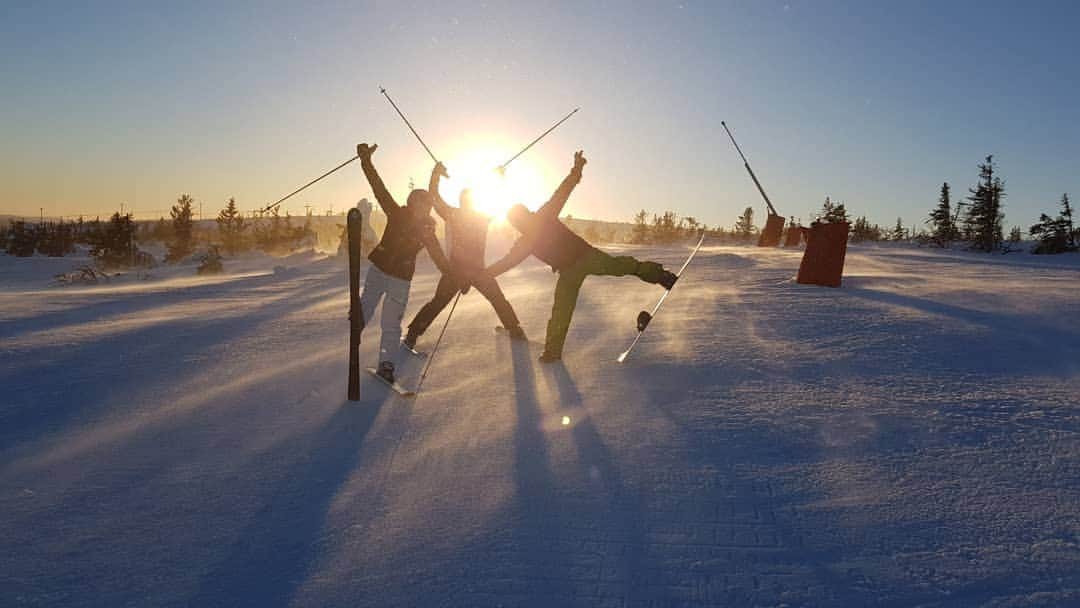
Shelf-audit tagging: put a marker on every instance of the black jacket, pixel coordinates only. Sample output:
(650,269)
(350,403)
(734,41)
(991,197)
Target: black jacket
(404,236)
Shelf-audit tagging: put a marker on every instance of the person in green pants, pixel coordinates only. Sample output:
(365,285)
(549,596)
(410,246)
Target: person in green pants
(543,235)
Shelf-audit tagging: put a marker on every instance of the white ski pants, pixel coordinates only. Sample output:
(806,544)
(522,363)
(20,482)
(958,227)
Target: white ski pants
(394,293)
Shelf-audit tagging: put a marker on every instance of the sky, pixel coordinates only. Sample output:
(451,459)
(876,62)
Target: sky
(872,103)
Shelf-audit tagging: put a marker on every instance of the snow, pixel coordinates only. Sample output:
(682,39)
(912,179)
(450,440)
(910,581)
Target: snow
(912,438)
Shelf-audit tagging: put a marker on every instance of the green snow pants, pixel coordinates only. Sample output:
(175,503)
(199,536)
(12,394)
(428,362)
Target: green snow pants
(595,262)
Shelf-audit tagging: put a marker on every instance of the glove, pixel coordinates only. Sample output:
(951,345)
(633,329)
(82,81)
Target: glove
(461,280)
(364,151)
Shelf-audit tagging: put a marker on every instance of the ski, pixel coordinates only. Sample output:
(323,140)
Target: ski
(356,316)
(645,317)
(401,390)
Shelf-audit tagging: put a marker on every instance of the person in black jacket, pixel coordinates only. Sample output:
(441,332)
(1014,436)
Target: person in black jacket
(543,235)
(466,230)
(393,261)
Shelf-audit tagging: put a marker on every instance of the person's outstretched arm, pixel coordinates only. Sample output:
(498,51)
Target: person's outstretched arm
(434,249)
(517,254)
(437,201)
(364,151)
(555,205)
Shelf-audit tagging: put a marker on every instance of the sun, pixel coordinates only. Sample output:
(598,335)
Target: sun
(493,191)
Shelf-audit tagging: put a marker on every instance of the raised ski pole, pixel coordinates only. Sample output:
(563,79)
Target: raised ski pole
(407,123)
(746,164)
(502,168)
(305,186)
(435,349)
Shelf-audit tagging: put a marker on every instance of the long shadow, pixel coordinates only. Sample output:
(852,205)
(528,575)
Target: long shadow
(278,549)
(983,260)
(99,305)
(1031,345)
(537,517)
(621,508)
(77,381)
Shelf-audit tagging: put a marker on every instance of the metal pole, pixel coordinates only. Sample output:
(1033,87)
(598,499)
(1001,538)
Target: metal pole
(746,164)
(302,188)
(408,124)
(502,168)
(435,350)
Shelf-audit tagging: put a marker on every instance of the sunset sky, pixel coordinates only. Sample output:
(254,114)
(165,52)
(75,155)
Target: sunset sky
(873,103)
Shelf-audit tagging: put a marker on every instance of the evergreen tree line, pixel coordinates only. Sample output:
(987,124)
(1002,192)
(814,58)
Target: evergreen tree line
(982,221)
(114,243)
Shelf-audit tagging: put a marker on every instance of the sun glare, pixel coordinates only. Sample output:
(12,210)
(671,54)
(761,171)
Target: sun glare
(493,191)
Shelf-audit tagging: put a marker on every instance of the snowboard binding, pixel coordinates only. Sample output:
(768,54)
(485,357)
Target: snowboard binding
(643,319)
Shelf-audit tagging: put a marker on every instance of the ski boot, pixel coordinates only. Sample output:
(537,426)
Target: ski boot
(410,340)
(667,279)
(386,371)
(550,356)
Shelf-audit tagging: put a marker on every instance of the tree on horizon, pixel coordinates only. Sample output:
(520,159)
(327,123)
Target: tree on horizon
(984,218)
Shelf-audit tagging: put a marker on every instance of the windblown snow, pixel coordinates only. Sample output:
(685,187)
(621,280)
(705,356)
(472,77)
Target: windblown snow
(912,438)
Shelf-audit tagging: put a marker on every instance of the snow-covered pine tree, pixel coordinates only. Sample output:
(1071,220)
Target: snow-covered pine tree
(833,213)
(899,233)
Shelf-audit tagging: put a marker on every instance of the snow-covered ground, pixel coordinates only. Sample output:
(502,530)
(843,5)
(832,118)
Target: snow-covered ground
(912,438)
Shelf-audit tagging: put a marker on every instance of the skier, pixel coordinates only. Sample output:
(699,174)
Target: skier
(368,238)
(543,235)
(393,261)
(466,235)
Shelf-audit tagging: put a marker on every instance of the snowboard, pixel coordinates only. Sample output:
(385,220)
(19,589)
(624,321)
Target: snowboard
(645,317)
(356,317)
(399,389)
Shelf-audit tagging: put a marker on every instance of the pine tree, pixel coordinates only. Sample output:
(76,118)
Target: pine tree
(863,230)
(744,224)
(22,239)
(984,218)
(182,242)
(640,232)
(115,245)
(833,213)
(231,227)
(941,219)
(899,233)
(1056,235)
(1067,217)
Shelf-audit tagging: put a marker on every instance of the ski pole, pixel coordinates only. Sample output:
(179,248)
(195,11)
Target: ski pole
(407,123)
(746,164)
(302,188)
(502,168)
(435,349)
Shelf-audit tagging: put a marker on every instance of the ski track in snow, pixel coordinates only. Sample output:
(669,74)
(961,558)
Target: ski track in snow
(912,438)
